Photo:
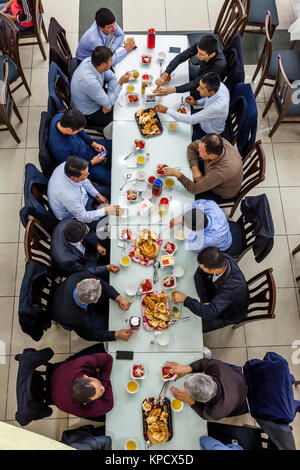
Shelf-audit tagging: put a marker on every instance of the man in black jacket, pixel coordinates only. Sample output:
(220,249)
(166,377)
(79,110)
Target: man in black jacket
(222,289)
(76,306)
(212,60)
(74,248)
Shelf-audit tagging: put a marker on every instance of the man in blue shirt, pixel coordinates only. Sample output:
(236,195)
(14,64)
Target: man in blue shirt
(104,32)
(207,224)
(87,87)
(67,138)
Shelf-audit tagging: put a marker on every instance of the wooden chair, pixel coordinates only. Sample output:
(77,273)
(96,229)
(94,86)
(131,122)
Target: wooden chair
(294,252)
(39,192)
(254,169)
(262,297)
(256,11)
(281,97)
(9,46)
(268,62)
(246,237)
(35,31)
(59,49)
(7,104)
(37,242)
(233,121)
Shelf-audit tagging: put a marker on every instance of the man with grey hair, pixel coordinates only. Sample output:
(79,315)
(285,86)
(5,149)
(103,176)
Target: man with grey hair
(215,391)
(81,304)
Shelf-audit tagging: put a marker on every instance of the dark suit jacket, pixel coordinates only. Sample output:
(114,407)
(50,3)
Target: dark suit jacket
(67,259)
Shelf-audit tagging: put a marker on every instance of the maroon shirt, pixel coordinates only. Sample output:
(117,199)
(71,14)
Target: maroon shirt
(64,375)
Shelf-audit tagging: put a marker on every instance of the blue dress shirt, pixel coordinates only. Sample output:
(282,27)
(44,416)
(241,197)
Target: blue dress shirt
(94,37)
(88,94)
(68,198)
(209,443)
(212,118)
(217,233)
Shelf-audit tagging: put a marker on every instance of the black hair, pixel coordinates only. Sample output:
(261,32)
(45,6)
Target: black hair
(74,119)
(104,17)
(208,43)
(75,231)
(74,166)
(213,144)
(195,219)
(212,81)
(82,390)
(211,257)
(100,55)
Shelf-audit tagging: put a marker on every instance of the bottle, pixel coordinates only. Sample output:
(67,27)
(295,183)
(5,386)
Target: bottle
(134,322)
(157,187)
(151,38)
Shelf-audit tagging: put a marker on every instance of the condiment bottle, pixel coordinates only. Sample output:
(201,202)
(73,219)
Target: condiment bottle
(157,187)
(134,322)
(163,206)
(151,38)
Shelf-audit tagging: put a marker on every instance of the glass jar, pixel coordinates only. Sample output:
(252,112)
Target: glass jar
(157,187)
(134,322)
(163,206)
(151,38)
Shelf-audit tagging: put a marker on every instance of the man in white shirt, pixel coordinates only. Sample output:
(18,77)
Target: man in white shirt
(215,101)
(70,193)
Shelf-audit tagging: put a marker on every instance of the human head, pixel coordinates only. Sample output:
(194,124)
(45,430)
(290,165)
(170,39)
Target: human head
(75,231)
(86,389)
(210,147)
(207,47)
(209,84)
(106,21)
(195,219)
(201,387)
(72,122)
(211,260)
(102,58)
(88,291)
(77,169)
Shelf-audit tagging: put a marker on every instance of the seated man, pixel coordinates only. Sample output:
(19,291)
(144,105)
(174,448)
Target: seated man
(81,304)
(105,31)
(222,289)
(75,249)
(71,194)
(20,12)
(217,169)
(211,60)
(215,391)
(87,87)
(82,387)
(215,101)
(207,224)
(67,138)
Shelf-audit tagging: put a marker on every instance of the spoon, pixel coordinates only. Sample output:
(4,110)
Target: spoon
(156,266)
(127,178)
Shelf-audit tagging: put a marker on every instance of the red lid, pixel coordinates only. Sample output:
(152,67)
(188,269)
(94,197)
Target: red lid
(164,200)
(145,77)
(151,31)
(151,179)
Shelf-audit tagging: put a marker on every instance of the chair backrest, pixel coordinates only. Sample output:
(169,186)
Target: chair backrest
(283,90)
(262,290)
(59,90)
(37,10)
(248,235)
(266,54)
(59,49)
(231,20)
(254,169)
(47,160)
(9,39)
(5,98)
(235,115)
(37,242)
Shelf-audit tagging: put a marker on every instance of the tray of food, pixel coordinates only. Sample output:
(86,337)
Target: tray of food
(148,122)
(145,247)
(156,311)
(169,247)
(157,420)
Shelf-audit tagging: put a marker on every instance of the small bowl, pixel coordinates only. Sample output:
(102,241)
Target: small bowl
(141,175)
(163,338)
(134,443)
(131,289)
(181,407)
(158,166)
(137,386)
(179,235)
(136,97)
(161,55)
(137,378)
(141,186)
(167,185)
(147,194)
(178,271)
(142,159)
(133,191)
(130,89)
(163,280)
(172,126)
(132,72)
(122,261)
(146,291)
(146,59)
(169,241)
(168,379)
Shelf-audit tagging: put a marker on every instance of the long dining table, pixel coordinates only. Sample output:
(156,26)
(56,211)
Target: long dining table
(185,337)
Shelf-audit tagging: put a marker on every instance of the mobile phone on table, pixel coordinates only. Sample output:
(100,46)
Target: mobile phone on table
(124,355)
(175,49)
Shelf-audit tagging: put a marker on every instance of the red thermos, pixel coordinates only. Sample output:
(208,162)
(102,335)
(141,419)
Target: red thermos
(151,38)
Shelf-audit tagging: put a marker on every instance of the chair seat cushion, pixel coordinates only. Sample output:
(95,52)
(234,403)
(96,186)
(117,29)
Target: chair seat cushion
(258,10)
(294,108)
(290,62)
(13,72)
(195,37)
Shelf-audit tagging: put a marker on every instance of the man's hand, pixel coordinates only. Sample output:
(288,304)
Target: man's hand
(178,297)
(162,79)
(124,78)
(197,175)
(164,91)
(123,334)
(98,147)
(113,268)
(101,250)
(172,172)
(106,110)
(182,395)
(190,100)
(129,44)
(176,221)
(123,303)
(159,108)
(97,159)
(101,199)
(113,210)
(178,369)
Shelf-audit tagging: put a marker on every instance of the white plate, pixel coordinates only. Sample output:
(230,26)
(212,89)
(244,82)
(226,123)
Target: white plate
(178,271)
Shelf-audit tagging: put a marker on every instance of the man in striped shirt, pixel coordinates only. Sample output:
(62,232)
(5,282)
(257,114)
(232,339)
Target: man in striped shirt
(20,12)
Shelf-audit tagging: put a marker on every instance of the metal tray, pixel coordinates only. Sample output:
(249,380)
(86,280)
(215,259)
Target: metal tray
(158,122)
(167,407)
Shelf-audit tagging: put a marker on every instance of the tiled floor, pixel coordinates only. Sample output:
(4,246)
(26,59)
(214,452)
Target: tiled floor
(282,186)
